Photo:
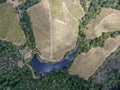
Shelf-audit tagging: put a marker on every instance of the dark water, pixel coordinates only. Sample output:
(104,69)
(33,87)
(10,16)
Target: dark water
(43,68)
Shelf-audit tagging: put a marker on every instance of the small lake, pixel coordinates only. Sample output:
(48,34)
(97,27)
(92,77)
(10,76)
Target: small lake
(46,67)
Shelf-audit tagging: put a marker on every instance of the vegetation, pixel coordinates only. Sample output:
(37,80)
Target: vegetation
(2,1)
(28,4)
(110,3)
(23,80)
(84,45)
(83,3)
(13,78)
(9,57)
(27,28)
(109,72)
(63,81)
(103,3)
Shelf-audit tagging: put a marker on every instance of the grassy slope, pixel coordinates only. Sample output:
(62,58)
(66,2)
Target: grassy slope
(87,63)
(9,25)
(57,31)
(107,21)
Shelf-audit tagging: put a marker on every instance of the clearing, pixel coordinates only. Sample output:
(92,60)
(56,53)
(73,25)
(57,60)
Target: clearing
(55,26)
(107,21)
(10,30)
(86,64)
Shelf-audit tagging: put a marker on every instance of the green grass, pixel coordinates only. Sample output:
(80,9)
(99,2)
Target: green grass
(9,25)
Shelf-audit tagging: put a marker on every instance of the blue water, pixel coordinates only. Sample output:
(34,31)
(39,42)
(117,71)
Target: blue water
(45,67)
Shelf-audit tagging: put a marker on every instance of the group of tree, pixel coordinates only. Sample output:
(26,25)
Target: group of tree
(9,56)
(85,45)
(27,28)
(115,4)
(60,80)
(28,4)
(2,1)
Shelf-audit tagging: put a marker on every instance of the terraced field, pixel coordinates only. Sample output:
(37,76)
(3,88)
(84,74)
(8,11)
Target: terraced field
(10,30)
(55,25)
(107,21)
(86,64)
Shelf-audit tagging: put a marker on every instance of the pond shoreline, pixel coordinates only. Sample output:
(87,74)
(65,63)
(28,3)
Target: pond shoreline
(42,68)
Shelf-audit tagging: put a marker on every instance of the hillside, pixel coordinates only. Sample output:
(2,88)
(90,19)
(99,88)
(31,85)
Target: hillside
(10,30)
(55,27)
(107,21)
(86,64)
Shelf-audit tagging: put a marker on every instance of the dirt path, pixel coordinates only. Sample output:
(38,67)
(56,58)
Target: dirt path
(60,21)
(51,34)
(35,77)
